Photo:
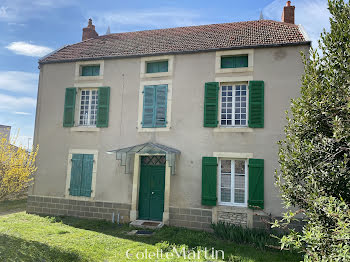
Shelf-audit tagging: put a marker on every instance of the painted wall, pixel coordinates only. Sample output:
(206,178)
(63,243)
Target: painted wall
(280,68)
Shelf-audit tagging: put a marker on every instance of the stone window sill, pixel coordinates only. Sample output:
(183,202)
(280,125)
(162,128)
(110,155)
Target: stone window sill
(151,75)
(235,70)
(84,129)
(160,129)
(88,78)
(233,130)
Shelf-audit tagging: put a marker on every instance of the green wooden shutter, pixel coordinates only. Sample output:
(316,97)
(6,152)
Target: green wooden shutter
(234,61)
(76,174)
(161,105)
(103,106)
(157,67)
(209,181)
(256,183)
(149,105)
(69,107)
(211,98)
(96,70)
(256,104)
(90,70)
(86,180)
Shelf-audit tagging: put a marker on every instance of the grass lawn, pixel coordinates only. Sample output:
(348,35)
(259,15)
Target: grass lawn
(13,205)
(25,237)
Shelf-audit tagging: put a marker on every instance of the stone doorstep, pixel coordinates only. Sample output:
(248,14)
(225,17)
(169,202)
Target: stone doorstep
(147,224)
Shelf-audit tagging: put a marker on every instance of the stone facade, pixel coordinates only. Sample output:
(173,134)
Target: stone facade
(78,208)
(193,218)
(233,218)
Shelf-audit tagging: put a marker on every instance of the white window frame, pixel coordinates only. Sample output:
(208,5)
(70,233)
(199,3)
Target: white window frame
(232,203)
(233,84)
(145,60)
(94,173)
(89,110)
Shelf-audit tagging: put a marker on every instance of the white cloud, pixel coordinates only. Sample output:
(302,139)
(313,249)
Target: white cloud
(14,104)
(161,18)
(312,14)
(17,81)
(27,49)
(21,10)
(22,113)
(3,12)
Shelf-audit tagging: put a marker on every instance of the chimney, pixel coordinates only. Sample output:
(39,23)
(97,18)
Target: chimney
(89,31)
(288,13)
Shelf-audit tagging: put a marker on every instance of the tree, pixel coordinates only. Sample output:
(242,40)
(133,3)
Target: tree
(314,156)
(17,167)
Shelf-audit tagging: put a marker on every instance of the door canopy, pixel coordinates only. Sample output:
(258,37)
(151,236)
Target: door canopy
(127,154)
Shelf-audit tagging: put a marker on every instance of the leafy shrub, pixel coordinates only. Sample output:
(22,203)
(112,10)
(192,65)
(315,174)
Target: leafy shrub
(314,156)
(259,238)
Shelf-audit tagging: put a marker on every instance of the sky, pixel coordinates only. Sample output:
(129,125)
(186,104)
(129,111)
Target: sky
(32,29)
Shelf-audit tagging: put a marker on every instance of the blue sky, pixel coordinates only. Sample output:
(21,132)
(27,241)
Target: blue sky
(31,29)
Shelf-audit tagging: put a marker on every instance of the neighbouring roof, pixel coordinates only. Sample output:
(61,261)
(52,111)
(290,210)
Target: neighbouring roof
(251,34)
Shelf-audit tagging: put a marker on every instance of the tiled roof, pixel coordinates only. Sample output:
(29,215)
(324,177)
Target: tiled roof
(181,40)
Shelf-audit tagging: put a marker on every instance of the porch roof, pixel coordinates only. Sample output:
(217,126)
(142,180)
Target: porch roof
(126,154)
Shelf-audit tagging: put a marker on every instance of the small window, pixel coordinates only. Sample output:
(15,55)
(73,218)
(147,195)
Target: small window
(88,107)
(234,105)
(234,61)
(233,182)
(157,67)
(90,70)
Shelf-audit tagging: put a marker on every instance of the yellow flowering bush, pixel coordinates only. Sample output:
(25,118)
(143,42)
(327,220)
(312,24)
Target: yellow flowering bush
(17,167)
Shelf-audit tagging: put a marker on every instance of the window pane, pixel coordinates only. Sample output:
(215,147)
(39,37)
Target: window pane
(225,195)
(239,181)
(226,166)
(234,61)
(240,105)
(157,67)
(90,70)
(239,196)
(226,180)
(226,104)
(88,108)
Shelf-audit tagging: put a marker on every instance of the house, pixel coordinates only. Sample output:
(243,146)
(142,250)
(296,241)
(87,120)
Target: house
(176,125)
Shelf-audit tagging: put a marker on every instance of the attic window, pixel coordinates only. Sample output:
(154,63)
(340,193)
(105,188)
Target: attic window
(234,61)
(91,70)
(157,67)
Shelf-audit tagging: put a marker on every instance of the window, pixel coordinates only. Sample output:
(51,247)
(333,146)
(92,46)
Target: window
(233,182)
(155,106)
(157,67)
(90,70)
(234,105)
(88,107)
(234,61)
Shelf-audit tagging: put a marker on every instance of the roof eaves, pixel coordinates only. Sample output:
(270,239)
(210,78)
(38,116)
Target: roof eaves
(177,52)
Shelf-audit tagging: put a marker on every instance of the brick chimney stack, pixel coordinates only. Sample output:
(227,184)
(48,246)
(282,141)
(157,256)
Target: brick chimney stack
(288,15)
(89,31)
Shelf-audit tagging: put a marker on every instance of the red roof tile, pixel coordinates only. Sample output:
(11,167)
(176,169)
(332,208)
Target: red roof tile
(181,40)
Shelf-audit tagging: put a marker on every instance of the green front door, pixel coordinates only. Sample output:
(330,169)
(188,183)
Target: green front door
(152,183)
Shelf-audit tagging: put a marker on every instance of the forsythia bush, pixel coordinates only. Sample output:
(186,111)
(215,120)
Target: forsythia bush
(17,167)
(315,155)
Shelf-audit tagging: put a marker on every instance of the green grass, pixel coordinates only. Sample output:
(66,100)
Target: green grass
(26,237)
(13,205)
